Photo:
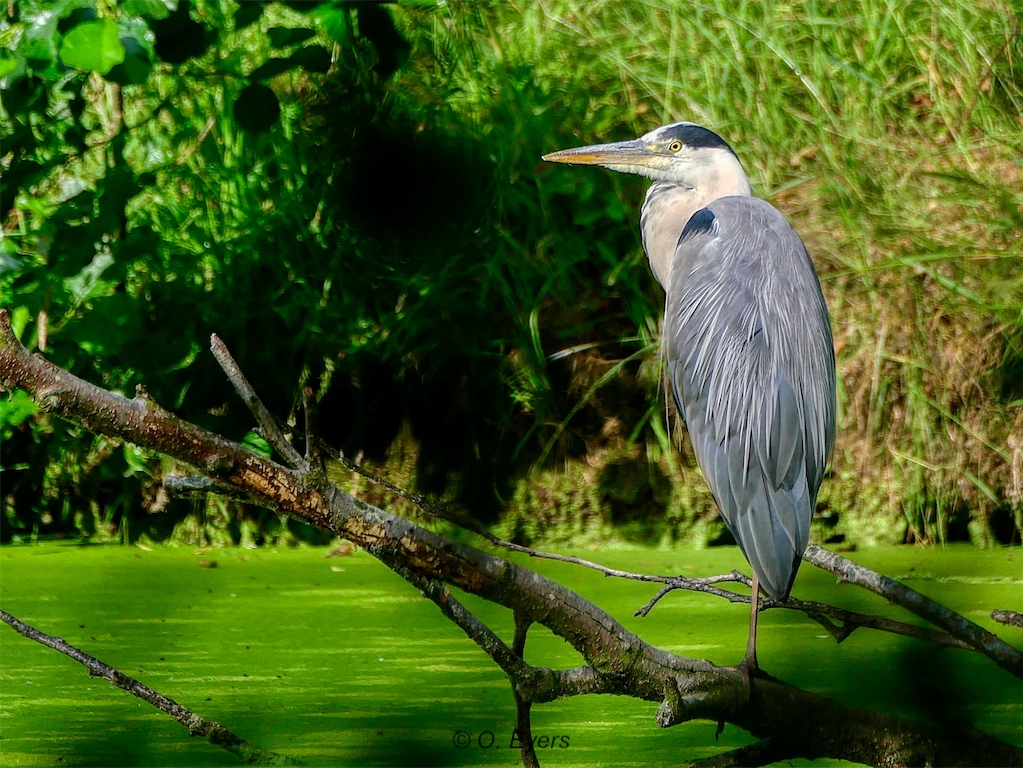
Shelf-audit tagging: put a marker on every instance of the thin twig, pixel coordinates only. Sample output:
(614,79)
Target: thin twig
(476,630)
(265,420)
(706,585)
(200,486)
(850,620)
(822,613)
(312,451)
(212,731)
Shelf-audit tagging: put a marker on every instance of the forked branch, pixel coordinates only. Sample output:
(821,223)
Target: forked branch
(839,622)
(616,660)
(978,638)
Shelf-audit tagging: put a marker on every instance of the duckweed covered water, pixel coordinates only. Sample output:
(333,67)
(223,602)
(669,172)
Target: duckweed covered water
(340,662)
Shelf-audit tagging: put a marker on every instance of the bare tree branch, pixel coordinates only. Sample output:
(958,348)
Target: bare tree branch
(996,649)
(510,662)
(838,622)
(824,614)
(213,732)
(523,703)
(1008,617)
(265,420)
(200,486)
(312,452)
(618,661)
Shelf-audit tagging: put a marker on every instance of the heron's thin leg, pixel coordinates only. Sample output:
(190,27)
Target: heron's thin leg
(750,661)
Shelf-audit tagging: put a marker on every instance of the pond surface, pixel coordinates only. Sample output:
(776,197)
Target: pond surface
(340,662)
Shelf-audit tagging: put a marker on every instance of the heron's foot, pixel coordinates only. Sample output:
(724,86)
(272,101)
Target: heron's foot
(748,668)
(750,662)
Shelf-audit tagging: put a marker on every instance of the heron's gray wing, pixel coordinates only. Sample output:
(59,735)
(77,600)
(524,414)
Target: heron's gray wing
(748,345)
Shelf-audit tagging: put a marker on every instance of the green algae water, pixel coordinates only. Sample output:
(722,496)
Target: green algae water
(340,662)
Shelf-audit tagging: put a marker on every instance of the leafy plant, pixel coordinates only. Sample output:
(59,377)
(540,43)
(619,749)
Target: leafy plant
(351,194)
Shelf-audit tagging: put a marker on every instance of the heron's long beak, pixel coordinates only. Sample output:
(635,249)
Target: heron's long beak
(628,153)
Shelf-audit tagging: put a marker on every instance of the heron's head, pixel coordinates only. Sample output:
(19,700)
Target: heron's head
(680,153)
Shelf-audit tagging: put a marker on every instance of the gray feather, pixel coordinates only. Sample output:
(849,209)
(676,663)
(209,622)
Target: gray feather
(747,340)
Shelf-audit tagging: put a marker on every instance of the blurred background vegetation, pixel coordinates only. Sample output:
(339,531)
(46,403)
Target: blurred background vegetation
(350,195)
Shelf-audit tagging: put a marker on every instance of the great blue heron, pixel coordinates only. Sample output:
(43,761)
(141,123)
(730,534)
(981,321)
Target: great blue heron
(746,339)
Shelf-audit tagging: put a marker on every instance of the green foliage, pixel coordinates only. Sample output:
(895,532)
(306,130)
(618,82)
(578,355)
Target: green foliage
(350,195)
(890,135)
(94,45)
(142,158)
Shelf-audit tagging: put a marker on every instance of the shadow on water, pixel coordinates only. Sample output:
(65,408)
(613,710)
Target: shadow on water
(405,751)
(931,689)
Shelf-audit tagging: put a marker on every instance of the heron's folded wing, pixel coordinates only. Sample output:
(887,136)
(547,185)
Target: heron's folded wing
(749,354)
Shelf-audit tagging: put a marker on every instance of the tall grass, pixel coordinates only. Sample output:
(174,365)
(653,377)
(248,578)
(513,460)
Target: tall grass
(486,325)
(890,134)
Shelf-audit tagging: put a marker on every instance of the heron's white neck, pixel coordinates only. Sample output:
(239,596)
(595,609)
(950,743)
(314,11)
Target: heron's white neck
(670,203)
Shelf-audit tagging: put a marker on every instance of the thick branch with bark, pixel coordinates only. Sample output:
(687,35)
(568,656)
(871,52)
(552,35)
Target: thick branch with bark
(797,723)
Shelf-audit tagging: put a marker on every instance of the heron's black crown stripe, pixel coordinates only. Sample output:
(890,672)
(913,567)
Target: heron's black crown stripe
(697,136)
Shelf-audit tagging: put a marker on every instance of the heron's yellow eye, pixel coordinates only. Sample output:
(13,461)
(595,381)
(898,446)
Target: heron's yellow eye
(675,146)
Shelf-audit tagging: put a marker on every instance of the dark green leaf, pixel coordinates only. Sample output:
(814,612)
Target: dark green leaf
(15,409)
(256,443)
(113,324)
(178,21)
(115,190)
(76,207)
(40,48)
(23,175)
(21,141)
(135,458)
(24,96)
(74,13)
(257,108)
(93,46)
(20,318)
(8,64)
(304,6)
(336,22)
